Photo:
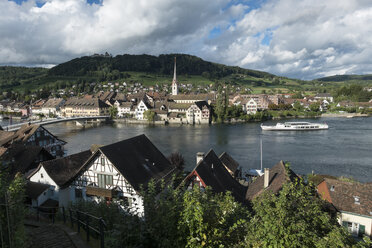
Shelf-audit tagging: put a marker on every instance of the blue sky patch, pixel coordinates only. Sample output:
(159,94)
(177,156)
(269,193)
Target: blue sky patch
(41,3)
(216,31)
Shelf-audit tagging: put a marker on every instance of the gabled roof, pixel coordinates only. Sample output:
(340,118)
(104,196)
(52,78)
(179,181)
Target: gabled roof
(62,170)
(201,104)
(138,160)
(21,135)
(278,176)
(53,103)
(33,189)
(229,162)
(23,158)
(342,195)
(212,172)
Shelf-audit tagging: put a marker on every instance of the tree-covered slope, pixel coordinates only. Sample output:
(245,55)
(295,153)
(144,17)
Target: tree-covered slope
(343,78)
(163,64)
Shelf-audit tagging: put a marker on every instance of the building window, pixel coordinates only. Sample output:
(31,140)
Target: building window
(102,164)
(104,180)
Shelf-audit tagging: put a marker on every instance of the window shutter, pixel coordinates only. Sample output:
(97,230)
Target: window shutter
(361,230)
(344,223)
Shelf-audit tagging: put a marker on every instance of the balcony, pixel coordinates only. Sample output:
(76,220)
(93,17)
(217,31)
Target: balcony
(96,191)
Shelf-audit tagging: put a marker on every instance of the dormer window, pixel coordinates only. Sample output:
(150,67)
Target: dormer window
(332,188)
(356,200)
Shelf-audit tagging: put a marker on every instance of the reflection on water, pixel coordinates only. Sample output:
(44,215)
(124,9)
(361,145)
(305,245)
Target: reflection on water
(344,149)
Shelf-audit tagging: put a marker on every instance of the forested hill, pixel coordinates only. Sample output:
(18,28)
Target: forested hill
(163,64)
(343,78)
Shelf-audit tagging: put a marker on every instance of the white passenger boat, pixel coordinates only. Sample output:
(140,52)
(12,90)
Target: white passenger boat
(295,126)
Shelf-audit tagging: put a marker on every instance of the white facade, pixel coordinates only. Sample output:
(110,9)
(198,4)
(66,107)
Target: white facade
(356,224)
(195,115)
(102,174)
(41,176)
(141,108)
(123,109)
(251,107)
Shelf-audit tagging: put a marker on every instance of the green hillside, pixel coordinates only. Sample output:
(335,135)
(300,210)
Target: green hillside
(344,78)
(151,70)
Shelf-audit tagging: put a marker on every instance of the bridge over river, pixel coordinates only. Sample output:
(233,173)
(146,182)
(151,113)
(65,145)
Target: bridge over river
(54,120)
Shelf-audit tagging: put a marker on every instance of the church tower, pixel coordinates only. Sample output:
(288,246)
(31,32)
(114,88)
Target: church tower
(174,82)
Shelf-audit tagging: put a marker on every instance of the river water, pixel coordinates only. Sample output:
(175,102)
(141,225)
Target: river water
(343,150)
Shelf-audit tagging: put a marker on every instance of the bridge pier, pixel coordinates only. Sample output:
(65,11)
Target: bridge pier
(80,123)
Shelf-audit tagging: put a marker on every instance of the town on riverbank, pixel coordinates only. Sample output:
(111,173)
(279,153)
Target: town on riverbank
(132,195)
(223,103)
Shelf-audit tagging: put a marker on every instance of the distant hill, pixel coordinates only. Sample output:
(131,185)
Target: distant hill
(144,68)
(343,78)
(162,64)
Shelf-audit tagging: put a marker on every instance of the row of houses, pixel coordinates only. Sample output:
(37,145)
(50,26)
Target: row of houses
(252,103)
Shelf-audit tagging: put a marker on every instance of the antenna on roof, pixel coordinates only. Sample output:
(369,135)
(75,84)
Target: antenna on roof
(261,151)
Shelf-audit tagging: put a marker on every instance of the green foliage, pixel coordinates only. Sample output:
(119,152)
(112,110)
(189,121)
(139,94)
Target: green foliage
(113,111)
(294,218)
(297,106)
(149,115)
(12,209)
(354,92)
(222,103)
(314,107)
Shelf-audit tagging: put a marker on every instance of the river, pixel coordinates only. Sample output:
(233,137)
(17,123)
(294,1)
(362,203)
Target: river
(343,150)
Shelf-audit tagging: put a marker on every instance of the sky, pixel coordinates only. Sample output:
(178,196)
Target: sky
(302,39)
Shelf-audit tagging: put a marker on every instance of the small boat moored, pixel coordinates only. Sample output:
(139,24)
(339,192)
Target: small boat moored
(295,126)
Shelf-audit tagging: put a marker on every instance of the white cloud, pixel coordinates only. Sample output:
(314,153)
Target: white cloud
(309,38)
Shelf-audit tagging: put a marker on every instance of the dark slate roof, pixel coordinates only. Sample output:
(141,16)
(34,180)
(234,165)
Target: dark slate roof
(201,104)
(278,176)
(62,170)
(229,162)
(21,135)
(342,196)
(23,158)
(215,175)
(138,160)
(33,190)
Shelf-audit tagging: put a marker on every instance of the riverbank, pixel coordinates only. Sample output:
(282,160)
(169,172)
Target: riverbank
(344,115)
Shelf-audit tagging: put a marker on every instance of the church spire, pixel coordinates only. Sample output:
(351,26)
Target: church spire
(174,82)
(174,73)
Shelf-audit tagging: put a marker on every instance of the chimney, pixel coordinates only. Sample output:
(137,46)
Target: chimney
(266,178)
(199,157)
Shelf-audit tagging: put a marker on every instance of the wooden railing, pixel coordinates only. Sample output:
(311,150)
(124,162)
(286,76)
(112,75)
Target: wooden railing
(90,223)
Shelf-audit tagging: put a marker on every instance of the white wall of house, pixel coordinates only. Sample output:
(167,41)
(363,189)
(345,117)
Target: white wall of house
(141,108)
(251,107)
(356,221)
(41,176)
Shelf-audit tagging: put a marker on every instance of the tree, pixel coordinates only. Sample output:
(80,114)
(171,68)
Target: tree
(177,160)
(297,106)
(295,217)
(315,107)
(12,209)
(149,115)
(113,111)
(221,103)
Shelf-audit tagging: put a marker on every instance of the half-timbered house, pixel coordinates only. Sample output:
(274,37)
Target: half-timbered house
(34,135)
(118,171)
